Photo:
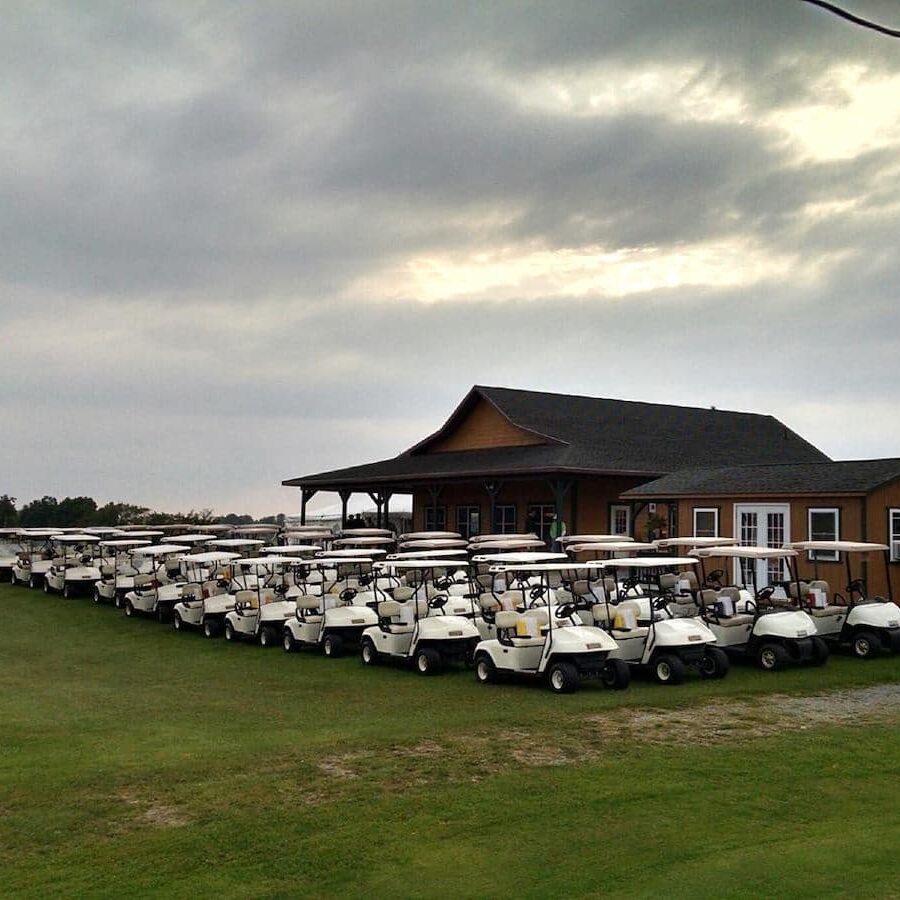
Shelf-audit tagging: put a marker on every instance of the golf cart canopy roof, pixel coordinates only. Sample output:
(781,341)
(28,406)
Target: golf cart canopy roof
(745,552)
(359,551)
(214,529)
(435,544)
(319,534)
(293,549)
(366,532)
(517,536)
(429,536)
(212,557)
(664,543)
(517,544)
(363,541)
(518,557)
(260,561)
(609,547)
(839,546)
(142,534)
(461,555)
(160,550)
(235,542)
(550,567)
(39,532)
(187,539)
(124,543)
(595,538)
(330,562)
(255,529)
(76,539)
(103,532)
(417,564)
(648,562)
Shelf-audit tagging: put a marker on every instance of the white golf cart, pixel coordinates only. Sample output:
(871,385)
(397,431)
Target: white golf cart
(865,626)
(73,569)
(117,570)
(649,637)
(428,536)
(155,591)
(261,604)
(35,558)
(549,641)
(764,624)
(406,632)
(337,618)
(206,596)
(10,548)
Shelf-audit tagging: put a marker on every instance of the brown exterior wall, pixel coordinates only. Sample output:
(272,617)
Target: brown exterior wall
(484,427)
(878,506)
(850,525)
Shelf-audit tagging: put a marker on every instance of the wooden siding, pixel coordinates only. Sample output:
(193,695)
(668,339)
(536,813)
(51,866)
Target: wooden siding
(484,428)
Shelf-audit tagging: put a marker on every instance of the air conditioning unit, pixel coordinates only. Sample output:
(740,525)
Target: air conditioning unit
(895,550)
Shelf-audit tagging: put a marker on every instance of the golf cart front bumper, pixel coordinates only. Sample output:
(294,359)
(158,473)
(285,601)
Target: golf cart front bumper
(892,639)
(588,664)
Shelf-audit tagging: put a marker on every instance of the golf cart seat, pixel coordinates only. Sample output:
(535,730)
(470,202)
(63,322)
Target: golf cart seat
(144,582)
(309,608)
(268,596)
(667,581)
(508,630)
(389,610)
(246,599)
(603,614)
(736,619)
(107,571)
(402,594)
(191,592)
(627,612)
(488,602)
(211,588)
(823,612)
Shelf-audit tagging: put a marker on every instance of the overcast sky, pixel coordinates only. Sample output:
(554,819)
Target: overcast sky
(241,242)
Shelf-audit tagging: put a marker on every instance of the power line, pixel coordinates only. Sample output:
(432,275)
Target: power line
(856,20)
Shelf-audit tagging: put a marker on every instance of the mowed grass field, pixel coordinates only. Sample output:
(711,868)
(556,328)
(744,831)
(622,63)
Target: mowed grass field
(136,761)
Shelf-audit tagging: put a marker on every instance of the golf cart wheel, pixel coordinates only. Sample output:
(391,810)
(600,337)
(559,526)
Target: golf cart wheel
(616,675)
(288,642)
(865,645)
(669,669)
(428,661)
(97,597)
(176,622)
(128,606)
(12,578)
(819,652)
(162,615)
(67,591)
(562,677)
(368,653)
(772,657)
(212,628)
(485,670)
(714,663)
(118,600)
(229,631)
(46,586)
(332,645)
(268,637)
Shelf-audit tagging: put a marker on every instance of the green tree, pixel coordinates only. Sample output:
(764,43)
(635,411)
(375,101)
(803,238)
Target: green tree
(9,515)
(40,512)
(76,511)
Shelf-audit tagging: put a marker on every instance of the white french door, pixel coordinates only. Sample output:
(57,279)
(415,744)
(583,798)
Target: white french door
(761,526)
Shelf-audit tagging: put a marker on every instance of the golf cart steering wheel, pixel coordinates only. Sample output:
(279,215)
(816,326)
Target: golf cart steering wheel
(714,579)
(438,601)
(660,603)
(765,593)
(536,593)
(347,594)
(857,586)
(365,579)
(445,582)
(565,611)
(280,589)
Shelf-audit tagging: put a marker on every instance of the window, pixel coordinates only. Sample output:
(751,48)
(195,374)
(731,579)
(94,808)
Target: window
(894,534)
(540,518)
(823,526)
(435,518)
(620,520)
(468,520)
(505,518)
(706,522)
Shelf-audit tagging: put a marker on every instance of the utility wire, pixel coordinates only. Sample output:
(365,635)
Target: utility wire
(856,20)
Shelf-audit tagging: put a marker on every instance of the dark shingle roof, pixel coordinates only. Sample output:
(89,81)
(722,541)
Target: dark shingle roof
(588,434)
(846,477)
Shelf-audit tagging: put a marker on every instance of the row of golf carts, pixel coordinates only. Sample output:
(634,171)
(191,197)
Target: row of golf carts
(602,607)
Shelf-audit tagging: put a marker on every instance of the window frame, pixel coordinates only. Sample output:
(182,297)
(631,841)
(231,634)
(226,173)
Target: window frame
(629,512)
(893,536)
(496,524)
(434,525)
(823,555)
(717,513)
(543,505)
(469,507)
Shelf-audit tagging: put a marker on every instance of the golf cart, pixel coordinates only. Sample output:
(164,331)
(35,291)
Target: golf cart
(649,637)
(333,619)
(261,604)
(764,624)
(35,558)
(117,569)
(428,536)
(865,626)
(75,571)
(10,548)
(155,591)
(423,546)
(549,641)
(405,630)
(205,598)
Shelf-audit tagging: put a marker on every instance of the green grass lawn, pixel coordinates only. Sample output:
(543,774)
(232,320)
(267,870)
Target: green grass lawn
(137,761)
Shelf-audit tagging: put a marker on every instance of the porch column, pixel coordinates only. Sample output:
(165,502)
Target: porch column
(376,499)
(493,490)
(385,503)
(434,492)
(306,494)
(560,487)
(344,494)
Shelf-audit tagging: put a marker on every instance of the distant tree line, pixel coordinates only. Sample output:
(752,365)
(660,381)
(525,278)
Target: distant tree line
(84,511)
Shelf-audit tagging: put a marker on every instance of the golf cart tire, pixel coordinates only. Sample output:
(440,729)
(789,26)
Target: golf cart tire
(288,644)
(332,645)
(562,677)
(866,645)
(46,586)
(819,652)
(128,607)
(669,669)
(616,674)
(118,601)
(229,632)
(268,637)
(714,663)
(66,591)
(176,622)
(428,661)
(162,615)
(485,670)
(212,628)
(368,652)
(772,657)
(97,597)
